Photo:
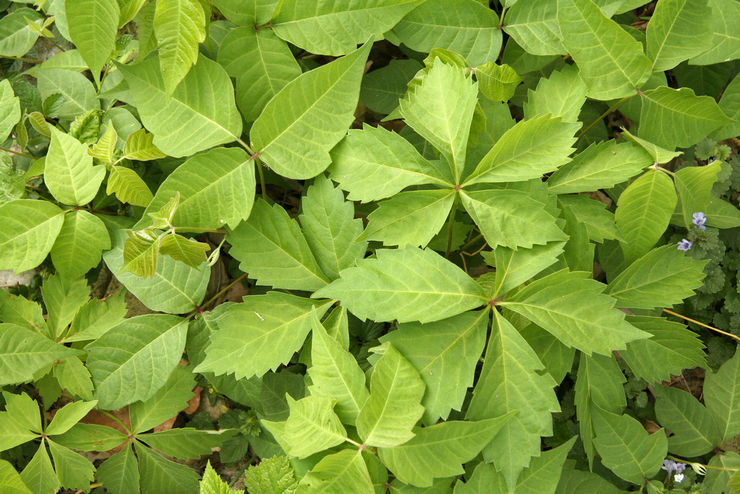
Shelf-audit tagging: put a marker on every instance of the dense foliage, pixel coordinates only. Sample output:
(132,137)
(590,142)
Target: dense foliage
(417,246)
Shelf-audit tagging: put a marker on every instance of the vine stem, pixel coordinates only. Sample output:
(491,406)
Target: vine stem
(215,297)
(19,153)
(353,442)
(258,163)
(711,328)
(451,228)
(116,419)
(22,59)
(602,116)
(196,229)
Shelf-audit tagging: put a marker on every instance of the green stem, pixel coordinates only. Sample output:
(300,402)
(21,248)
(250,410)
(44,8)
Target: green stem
(116,419)
(471,242)
(603,115)
(451,227)
(196,229)
(19,153)
(22,59)
(215,297)
(261,173)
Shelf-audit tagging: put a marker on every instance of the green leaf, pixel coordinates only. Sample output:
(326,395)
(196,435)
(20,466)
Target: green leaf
(440,109)
(128,187)
(73,470)
(643,212)
(677,117)
(271,475)
(29,230)
(11,480)
(69,172)
(661,278)
(198,115)
(438,451)
(511,218)
(598,220)
(16,35)
(694,186)
(374,163)
(179,25)
(134,359)
(140,253)
(334,372)
(574,480)
(723,40)
(446,354)
(13,432)
(626,448)
(659,154)
(497,82)
(104,148)
(186,443)
(286,134)
(191,252)
(325,28)
(560,95)
(68,416)
(330,227)
(38,474)
(574,309)
(212,483)
(262,65)
(10,109)
(534,27)
(73,376)
(509,382)
(24,352)
(410,218)
(92,28)
(528,150)
(259,334)
(339,473)
(247,13)
(120,472)
(161,475)
(76,91)
(383,87)
(514,267)
(406,284)
(23,411)
(695,431)
(393,408)
(722,214)
(140,147)
(463,26)
(80,244)
(165,403)
(610,61)
(272,249)
(21,311)
(676,32)
(722,394)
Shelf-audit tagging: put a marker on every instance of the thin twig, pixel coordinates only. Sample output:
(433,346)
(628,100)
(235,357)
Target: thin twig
(711,328)
(603,115)
(22,59)
(215,297)
(19,153)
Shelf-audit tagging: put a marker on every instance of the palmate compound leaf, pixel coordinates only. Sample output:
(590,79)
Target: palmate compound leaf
(440,109)
(626,448)
(92,28)
(29,230)
(134,359)
(338,473)
(309,116)
(445,353)
(38,473)
(120,472)
(375,163)
(259,334)
(514,267)
(695,430)
(644,211)
(610,61)
(511,218)
(661,278)
(179,25)
(677,31)
(159,474)
(394,406)
(405,284)
(440,450)
(528,150)
(272,249)
(11,479)
(80,244)
(722,396)
(509,382)
(24,352)
(576,311)
(198,115)
(327,28)
(69,172)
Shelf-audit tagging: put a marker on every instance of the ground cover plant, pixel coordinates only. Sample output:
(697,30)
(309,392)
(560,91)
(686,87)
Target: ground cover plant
(406,246)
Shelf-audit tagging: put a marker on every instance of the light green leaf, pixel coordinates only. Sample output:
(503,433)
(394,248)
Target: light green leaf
(514,267)
(722,396)
(24,352)
(406,284)
(10,109)
(75,90)
(671,349)
(334,372)
(463,26)
(598,220)
(730,105)
(38,474)
(509,382)
(723,41)
(73,470)
(410,218)
(309,116)
(16,35)
(441,108)
(104,148)
(626,448)
(583,481)
(68,416)
(722,214)
(511,218)
(659,154)
(165,403)
(382,88)
(717,481)
(19,310)
(695,431)
(11,480)
(128,187)
(259,334)
(120,472)
(574,309)
(80,244)
(661,278)
(497,82)
(339,473)
(676,32)
(610,61)
(23,411)
(694,186)
(271,475)
(133,360)
(140,147)
(528,150)
(140,253)
(262,65)
(326,28)
(92,28)
(374,163)
(69,172)
(438,451)
(393,408)
(272,249)
(446,354)
(179,25)
(91,437)
(534,26)
(247,12)
(13,433)
(198,115)
(191,252)
(212,483)
(161,475)
(187,443)
(29,230)
(643,212)
(73,376)
(128,10)
(560,95)
(677,117)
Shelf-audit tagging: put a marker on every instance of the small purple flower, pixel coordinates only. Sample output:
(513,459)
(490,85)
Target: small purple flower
(671,466)
(699,220)
(685,244)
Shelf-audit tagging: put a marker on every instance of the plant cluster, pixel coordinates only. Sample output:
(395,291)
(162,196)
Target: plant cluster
(407,246)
